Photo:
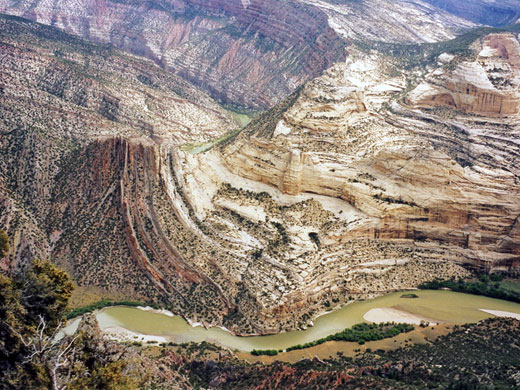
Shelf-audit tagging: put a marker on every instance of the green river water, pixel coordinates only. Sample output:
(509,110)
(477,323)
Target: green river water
(445,306)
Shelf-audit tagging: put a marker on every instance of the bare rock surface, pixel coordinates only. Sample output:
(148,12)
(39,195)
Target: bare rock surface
(249,54)
(356,185)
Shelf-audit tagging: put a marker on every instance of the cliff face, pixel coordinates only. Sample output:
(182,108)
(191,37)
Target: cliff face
(356,185)
(492,13)
(248,54)
(429,176)
(391,21)
(488,86)
(245,53)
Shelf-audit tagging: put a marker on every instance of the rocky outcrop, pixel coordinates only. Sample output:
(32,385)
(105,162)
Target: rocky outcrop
(455,187)
(486,86)
(391,21)
(249,54)
(492,13)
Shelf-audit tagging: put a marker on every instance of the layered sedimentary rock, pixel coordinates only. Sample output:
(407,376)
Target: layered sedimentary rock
(245,53)
(488,86)
(391,21)
(350,188)
(493,13)
(78,124)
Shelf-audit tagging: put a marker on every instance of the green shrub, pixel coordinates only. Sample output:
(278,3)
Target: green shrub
(105,303)
(475,288)
(267,352)
(360,333)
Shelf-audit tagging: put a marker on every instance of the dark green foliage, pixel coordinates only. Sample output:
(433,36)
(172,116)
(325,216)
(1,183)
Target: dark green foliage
(410,295)
(45,291)
(106,303)
(4,243)
(498,277)
(476,288)
(359,333)
(267,352)
(37,295)
(32,310)
(11,313)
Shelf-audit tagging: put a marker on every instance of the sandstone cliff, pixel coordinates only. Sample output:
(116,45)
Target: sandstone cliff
(245,53)
(360,183)
(356,185)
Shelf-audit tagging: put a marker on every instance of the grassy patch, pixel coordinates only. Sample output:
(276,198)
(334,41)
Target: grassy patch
(511,285)
(205,146)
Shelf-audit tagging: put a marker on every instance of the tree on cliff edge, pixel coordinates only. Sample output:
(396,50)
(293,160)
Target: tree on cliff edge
(33,305)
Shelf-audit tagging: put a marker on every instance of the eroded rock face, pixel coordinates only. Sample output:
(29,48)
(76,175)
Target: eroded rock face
(487,85)
(347,189)
(391,21)
(493,13)
(344,191)
(245,53)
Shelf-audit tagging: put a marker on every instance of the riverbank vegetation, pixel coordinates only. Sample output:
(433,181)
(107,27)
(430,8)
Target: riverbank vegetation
(79,311)
(481,356)
(360,333)
(488,286)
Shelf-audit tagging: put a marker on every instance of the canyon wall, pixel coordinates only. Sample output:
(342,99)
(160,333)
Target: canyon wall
(492,13)
(79,122)
(356,185)
(244,54)
(248,54)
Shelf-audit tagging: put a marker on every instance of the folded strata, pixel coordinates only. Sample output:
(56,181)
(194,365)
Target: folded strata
(355,186)
(360,183)
(247,53)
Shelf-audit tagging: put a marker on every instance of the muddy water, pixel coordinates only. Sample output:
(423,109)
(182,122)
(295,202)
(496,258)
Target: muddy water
(444,306)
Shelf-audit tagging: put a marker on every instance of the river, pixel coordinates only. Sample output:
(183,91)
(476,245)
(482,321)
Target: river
(443,306)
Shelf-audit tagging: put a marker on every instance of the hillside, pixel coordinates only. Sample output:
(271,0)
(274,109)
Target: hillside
(248,54)
(381,174)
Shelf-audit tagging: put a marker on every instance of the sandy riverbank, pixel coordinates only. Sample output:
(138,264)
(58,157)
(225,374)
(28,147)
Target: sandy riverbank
(500,313)
(160,311)
(389,314)
(120,334)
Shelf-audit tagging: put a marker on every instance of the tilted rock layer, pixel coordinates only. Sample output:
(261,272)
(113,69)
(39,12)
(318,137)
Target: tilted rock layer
(356,185)
(245,53)
(79,123)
